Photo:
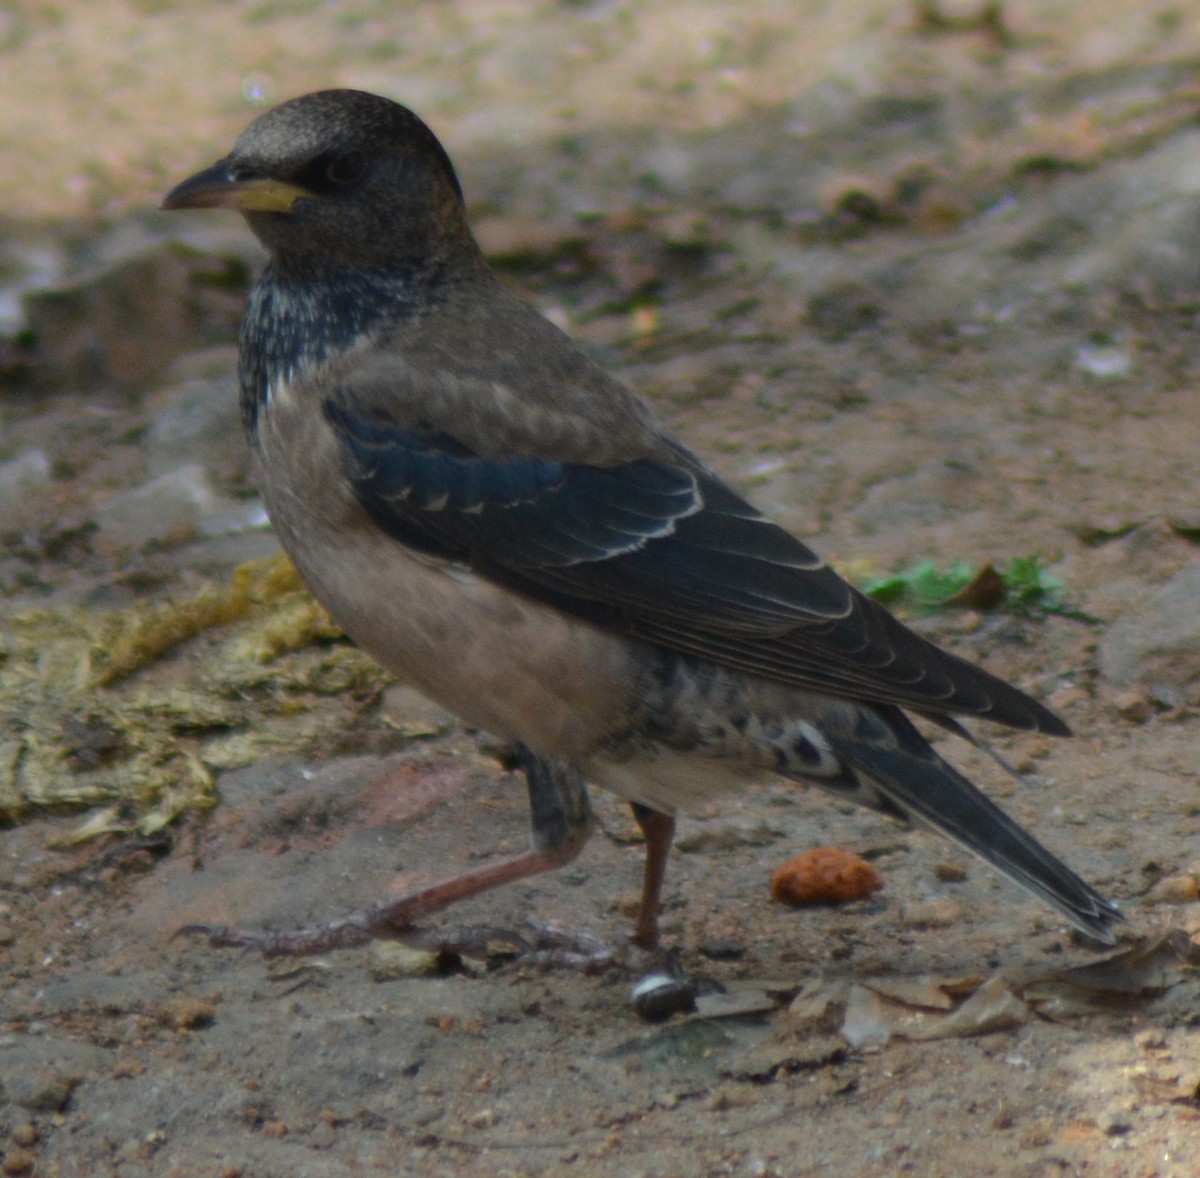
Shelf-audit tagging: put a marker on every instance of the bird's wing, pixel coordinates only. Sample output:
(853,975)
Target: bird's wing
(663,551)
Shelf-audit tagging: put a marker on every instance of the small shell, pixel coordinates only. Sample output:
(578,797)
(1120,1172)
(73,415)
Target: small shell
(657,996)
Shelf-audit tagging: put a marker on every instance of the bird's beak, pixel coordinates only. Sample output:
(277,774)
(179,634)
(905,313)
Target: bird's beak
(216,188)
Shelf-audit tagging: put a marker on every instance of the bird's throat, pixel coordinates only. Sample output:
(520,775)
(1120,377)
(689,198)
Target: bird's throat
(299,316)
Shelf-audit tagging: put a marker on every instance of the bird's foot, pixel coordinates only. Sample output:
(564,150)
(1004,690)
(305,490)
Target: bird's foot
(358,929)
(545,945)
(554,947)
(662,988)
(393,918)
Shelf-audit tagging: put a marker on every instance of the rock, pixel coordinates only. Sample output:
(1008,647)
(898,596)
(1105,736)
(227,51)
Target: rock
(176,506)
(389,960)
(24,481)
(1160,642)
(1133,706)
(1114,1124)
(40,1090)
(1176,889)
(727,833)
(843,309)
(1104,361)
(867,1023)
(200,421)
(41,1073)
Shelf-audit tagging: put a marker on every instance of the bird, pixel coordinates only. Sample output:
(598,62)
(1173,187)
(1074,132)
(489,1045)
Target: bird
(509,529)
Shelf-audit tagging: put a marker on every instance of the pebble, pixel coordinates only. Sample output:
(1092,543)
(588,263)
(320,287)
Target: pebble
(169,507)
(1176,889)
(182,1012)
(867,1024)
(1114,1124)
(1132,706)
(949,872)
(934,913)
(387,960)
(40,1091)
(721,949)
(743,1001)
(19,1161)
(727,833)
(1104,361)
(1152,1039)
(657,996)
(25,1135)
(23,478)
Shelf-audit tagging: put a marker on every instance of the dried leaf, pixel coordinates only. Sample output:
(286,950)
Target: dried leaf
(925,992)
(984,591)
(872,1020)
(1146,970)
(993,1007)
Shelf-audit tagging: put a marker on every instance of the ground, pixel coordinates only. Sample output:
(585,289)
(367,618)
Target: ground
(922,281)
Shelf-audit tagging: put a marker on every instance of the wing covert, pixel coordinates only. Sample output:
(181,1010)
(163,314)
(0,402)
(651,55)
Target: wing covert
(664,551)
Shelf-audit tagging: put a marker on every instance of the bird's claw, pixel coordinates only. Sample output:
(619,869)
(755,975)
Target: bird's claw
(554,947)
(303,941)
(545,945)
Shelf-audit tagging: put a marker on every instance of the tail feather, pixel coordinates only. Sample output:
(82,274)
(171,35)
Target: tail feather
(908,775)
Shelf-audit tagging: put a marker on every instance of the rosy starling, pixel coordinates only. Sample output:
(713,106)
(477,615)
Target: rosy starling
(510,530)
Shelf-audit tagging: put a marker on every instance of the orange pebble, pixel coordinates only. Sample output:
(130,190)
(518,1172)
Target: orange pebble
(824,875)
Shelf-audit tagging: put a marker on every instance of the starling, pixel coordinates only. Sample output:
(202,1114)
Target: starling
(510,530)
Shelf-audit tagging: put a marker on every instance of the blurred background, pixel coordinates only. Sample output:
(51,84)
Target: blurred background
(102,106)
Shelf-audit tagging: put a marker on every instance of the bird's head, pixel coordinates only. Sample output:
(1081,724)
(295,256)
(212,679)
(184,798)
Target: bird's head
(340,175)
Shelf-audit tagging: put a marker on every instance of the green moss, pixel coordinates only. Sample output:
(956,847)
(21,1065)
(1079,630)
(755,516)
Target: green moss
(129,713)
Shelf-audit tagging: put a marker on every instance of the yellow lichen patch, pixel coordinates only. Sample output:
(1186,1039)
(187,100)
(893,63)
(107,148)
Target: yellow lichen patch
(130,712)
(139,635)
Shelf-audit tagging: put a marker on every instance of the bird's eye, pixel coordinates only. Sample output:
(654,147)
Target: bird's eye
(345,169)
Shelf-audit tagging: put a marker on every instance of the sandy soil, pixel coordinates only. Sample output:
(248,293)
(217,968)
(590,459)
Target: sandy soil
(925,288)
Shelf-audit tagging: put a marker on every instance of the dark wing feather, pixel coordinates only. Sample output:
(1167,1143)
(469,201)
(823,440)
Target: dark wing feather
(912,778)
(665,552)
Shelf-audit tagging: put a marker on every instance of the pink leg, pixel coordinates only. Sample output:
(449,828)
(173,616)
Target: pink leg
(659,830)
(392,919)
(561,821)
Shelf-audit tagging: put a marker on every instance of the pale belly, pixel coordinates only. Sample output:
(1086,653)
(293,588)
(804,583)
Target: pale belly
(522,671)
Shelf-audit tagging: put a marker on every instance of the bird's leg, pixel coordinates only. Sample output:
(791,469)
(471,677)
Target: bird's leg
(561,820)
(659,830)
(570,949)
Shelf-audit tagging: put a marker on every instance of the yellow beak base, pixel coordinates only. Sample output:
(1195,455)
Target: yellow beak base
(215,188)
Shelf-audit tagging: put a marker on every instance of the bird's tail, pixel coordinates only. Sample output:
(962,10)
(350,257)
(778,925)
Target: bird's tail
(903,773)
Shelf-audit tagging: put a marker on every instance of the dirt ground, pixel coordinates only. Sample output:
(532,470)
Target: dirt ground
(924,281)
